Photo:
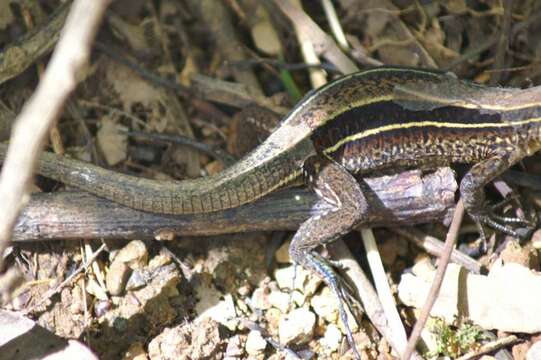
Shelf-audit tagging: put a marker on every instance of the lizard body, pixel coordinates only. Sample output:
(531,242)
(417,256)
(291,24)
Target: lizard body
(379,120)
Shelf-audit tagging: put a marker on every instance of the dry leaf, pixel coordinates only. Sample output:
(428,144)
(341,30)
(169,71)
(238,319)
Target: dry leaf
(112,144)
(130,87)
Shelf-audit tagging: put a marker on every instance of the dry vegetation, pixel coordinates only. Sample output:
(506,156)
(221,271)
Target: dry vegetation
(177,89)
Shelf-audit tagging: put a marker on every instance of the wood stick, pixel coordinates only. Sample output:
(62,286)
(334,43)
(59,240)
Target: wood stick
(406,198)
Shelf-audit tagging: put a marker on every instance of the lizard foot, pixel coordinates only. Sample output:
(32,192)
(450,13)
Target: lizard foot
(501,223)
(324,269)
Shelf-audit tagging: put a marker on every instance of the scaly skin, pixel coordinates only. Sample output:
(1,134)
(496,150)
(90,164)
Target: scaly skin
(273,164)
(379,120)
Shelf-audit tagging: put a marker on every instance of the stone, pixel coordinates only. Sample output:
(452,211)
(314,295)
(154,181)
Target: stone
(282,254)
(260,298)
(332,338)
(534,353)
(134,254)
(281,301)
(506,299)
(298,327)
(305,281)
(255,343)
(325,305)
(536,239)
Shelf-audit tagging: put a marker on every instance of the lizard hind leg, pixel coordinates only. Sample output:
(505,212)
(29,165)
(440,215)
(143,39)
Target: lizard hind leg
(346,207)
(473,195)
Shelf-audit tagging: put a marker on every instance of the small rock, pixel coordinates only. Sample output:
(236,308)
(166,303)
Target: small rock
(242,306)
(101,307)
(305,281)
(514,253)
(134,254)
(298,327)
(325,305)
(159,260)
(280,300)
(272,318)
(234,348)
(423,267)
(255,343)
(181,342)
(260,298)
(116,277)
(298,298)
(519,351)
(282,254)
(536,239)
(213,304)
(534,353)
(501,300)
(332,338)
(414,290)
(136,280)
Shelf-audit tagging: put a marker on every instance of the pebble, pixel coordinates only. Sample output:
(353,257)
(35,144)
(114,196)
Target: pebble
(136,280)
(280,300)
(159,260)
(116,278)
(298,327)
(332,338)
(234,348)
(213,304)
(101,307)
(325,305)
(305,281)
(134,254)
(282,254)
(255,343)
(423,267)
(536,239)
(505,299)
(534,353)
(260,298)
(514,253)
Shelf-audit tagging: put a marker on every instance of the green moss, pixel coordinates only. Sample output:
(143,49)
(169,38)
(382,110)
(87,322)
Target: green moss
(453,341)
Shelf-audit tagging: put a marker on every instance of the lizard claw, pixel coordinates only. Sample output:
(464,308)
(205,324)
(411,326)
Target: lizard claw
(500,223)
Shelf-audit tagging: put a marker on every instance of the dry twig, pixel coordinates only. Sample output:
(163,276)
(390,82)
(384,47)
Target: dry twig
(450,241)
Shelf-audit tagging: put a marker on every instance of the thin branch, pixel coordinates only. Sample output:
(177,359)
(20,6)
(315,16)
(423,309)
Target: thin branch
(384,290)
(450,241)
(64,283)
(491,347)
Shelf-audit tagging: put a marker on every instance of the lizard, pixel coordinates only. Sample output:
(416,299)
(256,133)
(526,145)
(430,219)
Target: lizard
(380,120)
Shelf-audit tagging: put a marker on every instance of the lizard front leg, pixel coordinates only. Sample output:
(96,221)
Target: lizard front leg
(473,194)
(335,186)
